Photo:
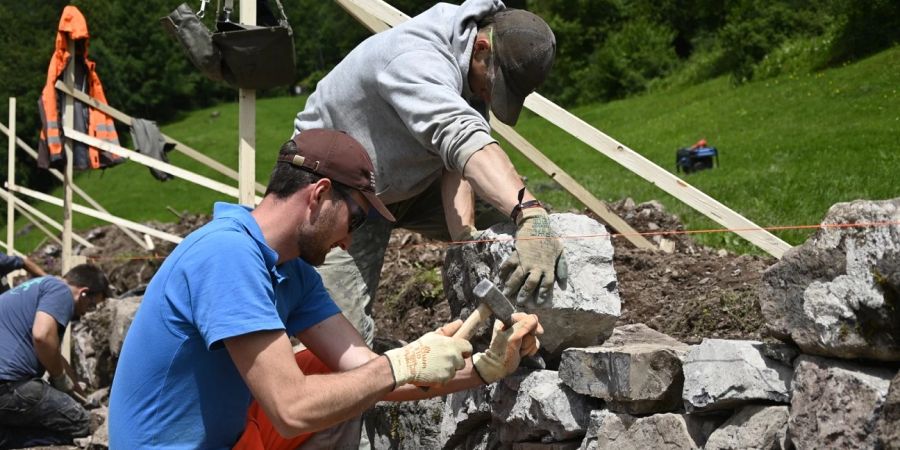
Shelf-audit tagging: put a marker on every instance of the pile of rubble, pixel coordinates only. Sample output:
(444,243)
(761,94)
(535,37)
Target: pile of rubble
(830,380)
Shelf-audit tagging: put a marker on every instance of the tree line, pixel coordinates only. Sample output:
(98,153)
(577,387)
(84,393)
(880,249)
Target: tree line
(607,49)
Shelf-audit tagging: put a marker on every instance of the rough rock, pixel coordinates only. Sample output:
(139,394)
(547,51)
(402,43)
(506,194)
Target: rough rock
(581,314)
(539,407)
(722,374)
(99,439)
(836,403)
(90,356)
(123,311)
(637,370)
(405,425)
(610,431)
(838,294)
(464,412)
(755,426)
(887,431)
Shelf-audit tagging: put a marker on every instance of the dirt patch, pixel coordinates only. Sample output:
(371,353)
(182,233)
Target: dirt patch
(692,293)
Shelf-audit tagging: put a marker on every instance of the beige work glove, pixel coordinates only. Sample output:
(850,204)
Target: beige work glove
(63,383)
(508,347)
(537,260)
(432,359)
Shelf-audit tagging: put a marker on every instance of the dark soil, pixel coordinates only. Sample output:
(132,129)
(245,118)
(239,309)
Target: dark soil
(692,293)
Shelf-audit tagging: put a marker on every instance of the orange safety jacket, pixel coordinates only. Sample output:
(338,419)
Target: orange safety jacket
(72,25)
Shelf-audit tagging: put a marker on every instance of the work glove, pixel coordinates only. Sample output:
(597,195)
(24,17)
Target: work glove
(432,359)
(538,259)
(63,383)
(468,233)
(508,347)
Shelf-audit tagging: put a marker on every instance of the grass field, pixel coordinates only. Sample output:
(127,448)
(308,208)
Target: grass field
(789,148)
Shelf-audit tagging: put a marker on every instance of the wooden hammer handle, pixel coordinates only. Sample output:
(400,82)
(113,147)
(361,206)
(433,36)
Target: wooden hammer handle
(468,327)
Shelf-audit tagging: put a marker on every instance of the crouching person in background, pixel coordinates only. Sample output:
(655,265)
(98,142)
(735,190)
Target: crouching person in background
(33,318)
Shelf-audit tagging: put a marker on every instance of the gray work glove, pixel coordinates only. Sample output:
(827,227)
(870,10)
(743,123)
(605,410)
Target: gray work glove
(537,260)
(63,383)
(508,347)
(432,359)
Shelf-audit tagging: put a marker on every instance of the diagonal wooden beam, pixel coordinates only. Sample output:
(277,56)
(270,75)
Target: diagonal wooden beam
(568,183)
(35,212)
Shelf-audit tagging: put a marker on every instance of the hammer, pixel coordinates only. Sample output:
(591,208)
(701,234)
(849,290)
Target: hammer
(490,300)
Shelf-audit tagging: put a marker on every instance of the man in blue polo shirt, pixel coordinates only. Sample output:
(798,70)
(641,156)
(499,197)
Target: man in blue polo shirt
(213,327)
(33,318)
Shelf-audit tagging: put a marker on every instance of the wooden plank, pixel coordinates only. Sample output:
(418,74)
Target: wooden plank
(247,125)
(186,150)
(656,175)
(35,212)
(68,120)
(38,224)
(78,191)
(156,164)
(11,177)
(369,21)
(569,184)
(101,215)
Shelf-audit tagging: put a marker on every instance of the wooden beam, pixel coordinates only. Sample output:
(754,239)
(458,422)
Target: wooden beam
(568,183)
(37,213)
(656,175)
(156,164)
(68,121)
(11,177)
(187,151)
(38,224)
(80,192)
(247,125)
(101,215)
(369,21)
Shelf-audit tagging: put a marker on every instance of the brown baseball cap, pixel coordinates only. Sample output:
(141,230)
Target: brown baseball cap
(524,47)
(333,154)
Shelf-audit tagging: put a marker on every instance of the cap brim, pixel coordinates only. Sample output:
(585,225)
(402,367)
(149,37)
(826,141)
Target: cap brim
(504,103)
(376,203)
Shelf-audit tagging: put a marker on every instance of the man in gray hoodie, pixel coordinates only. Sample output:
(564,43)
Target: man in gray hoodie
(417,98)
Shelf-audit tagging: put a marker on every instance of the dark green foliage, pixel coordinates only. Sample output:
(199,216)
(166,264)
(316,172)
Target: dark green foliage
(868,27)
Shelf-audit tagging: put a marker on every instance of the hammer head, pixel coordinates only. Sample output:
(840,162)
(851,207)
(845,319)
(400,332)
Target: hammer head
(489,295)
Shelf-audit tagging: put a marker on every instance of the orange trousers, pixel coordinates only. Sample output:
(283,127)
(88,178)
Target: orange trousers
(260,434)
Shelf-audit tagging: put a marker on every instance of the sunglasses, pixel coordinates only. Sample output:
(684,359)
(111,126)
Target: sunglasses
(357,213)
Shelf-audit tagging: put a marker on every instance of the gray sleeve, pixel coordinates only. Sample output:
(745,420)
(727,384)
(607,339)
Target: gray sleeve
(424,89)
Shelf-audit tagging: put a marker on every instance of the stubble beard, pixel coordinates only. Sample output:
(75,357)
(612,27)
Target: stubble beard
(313,239)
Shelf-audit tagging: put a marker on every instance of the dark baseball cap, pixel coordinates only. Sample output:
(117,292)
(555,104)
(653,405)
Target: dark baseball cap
(524,48)
(335,155)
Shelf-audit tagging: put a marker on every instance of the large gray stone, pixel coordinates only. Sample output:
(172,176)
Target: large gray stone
(637,370)
(579,315)
(123,311)
(887,431)
(611,431)
(465,412)
(836,403)
(838,294)
(539,407)
(405,425)
(723,374)
(757,426)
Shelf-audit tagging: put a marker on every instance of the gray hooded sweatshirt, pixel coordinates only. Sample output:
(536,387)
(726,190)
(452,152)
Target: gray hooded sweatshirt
(404,95)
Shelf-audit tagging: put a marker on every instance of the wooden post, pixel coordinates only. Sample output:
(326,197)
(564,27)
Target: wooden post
(68,122)
(247,125)
(11,181)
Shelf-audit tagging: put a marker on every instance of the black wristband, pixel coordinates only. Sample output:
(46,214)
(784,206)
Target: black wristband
(529,204)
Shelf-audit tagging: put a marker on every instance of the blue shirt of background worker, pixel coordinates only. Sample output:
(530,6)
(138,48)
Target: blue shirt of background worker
(220,282)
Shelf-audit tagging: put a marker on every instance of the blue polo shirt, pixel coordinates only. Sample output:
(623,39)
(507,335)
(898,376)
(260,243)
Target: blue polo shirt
(175,385)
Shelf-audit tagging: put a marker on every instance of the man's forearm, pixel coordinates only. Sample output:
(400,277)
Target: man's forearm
(458,199)
(495,179)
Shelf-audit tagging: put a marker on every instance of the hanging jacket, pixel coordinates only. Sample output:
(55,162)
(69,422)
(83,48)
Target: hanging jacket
(87,120)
